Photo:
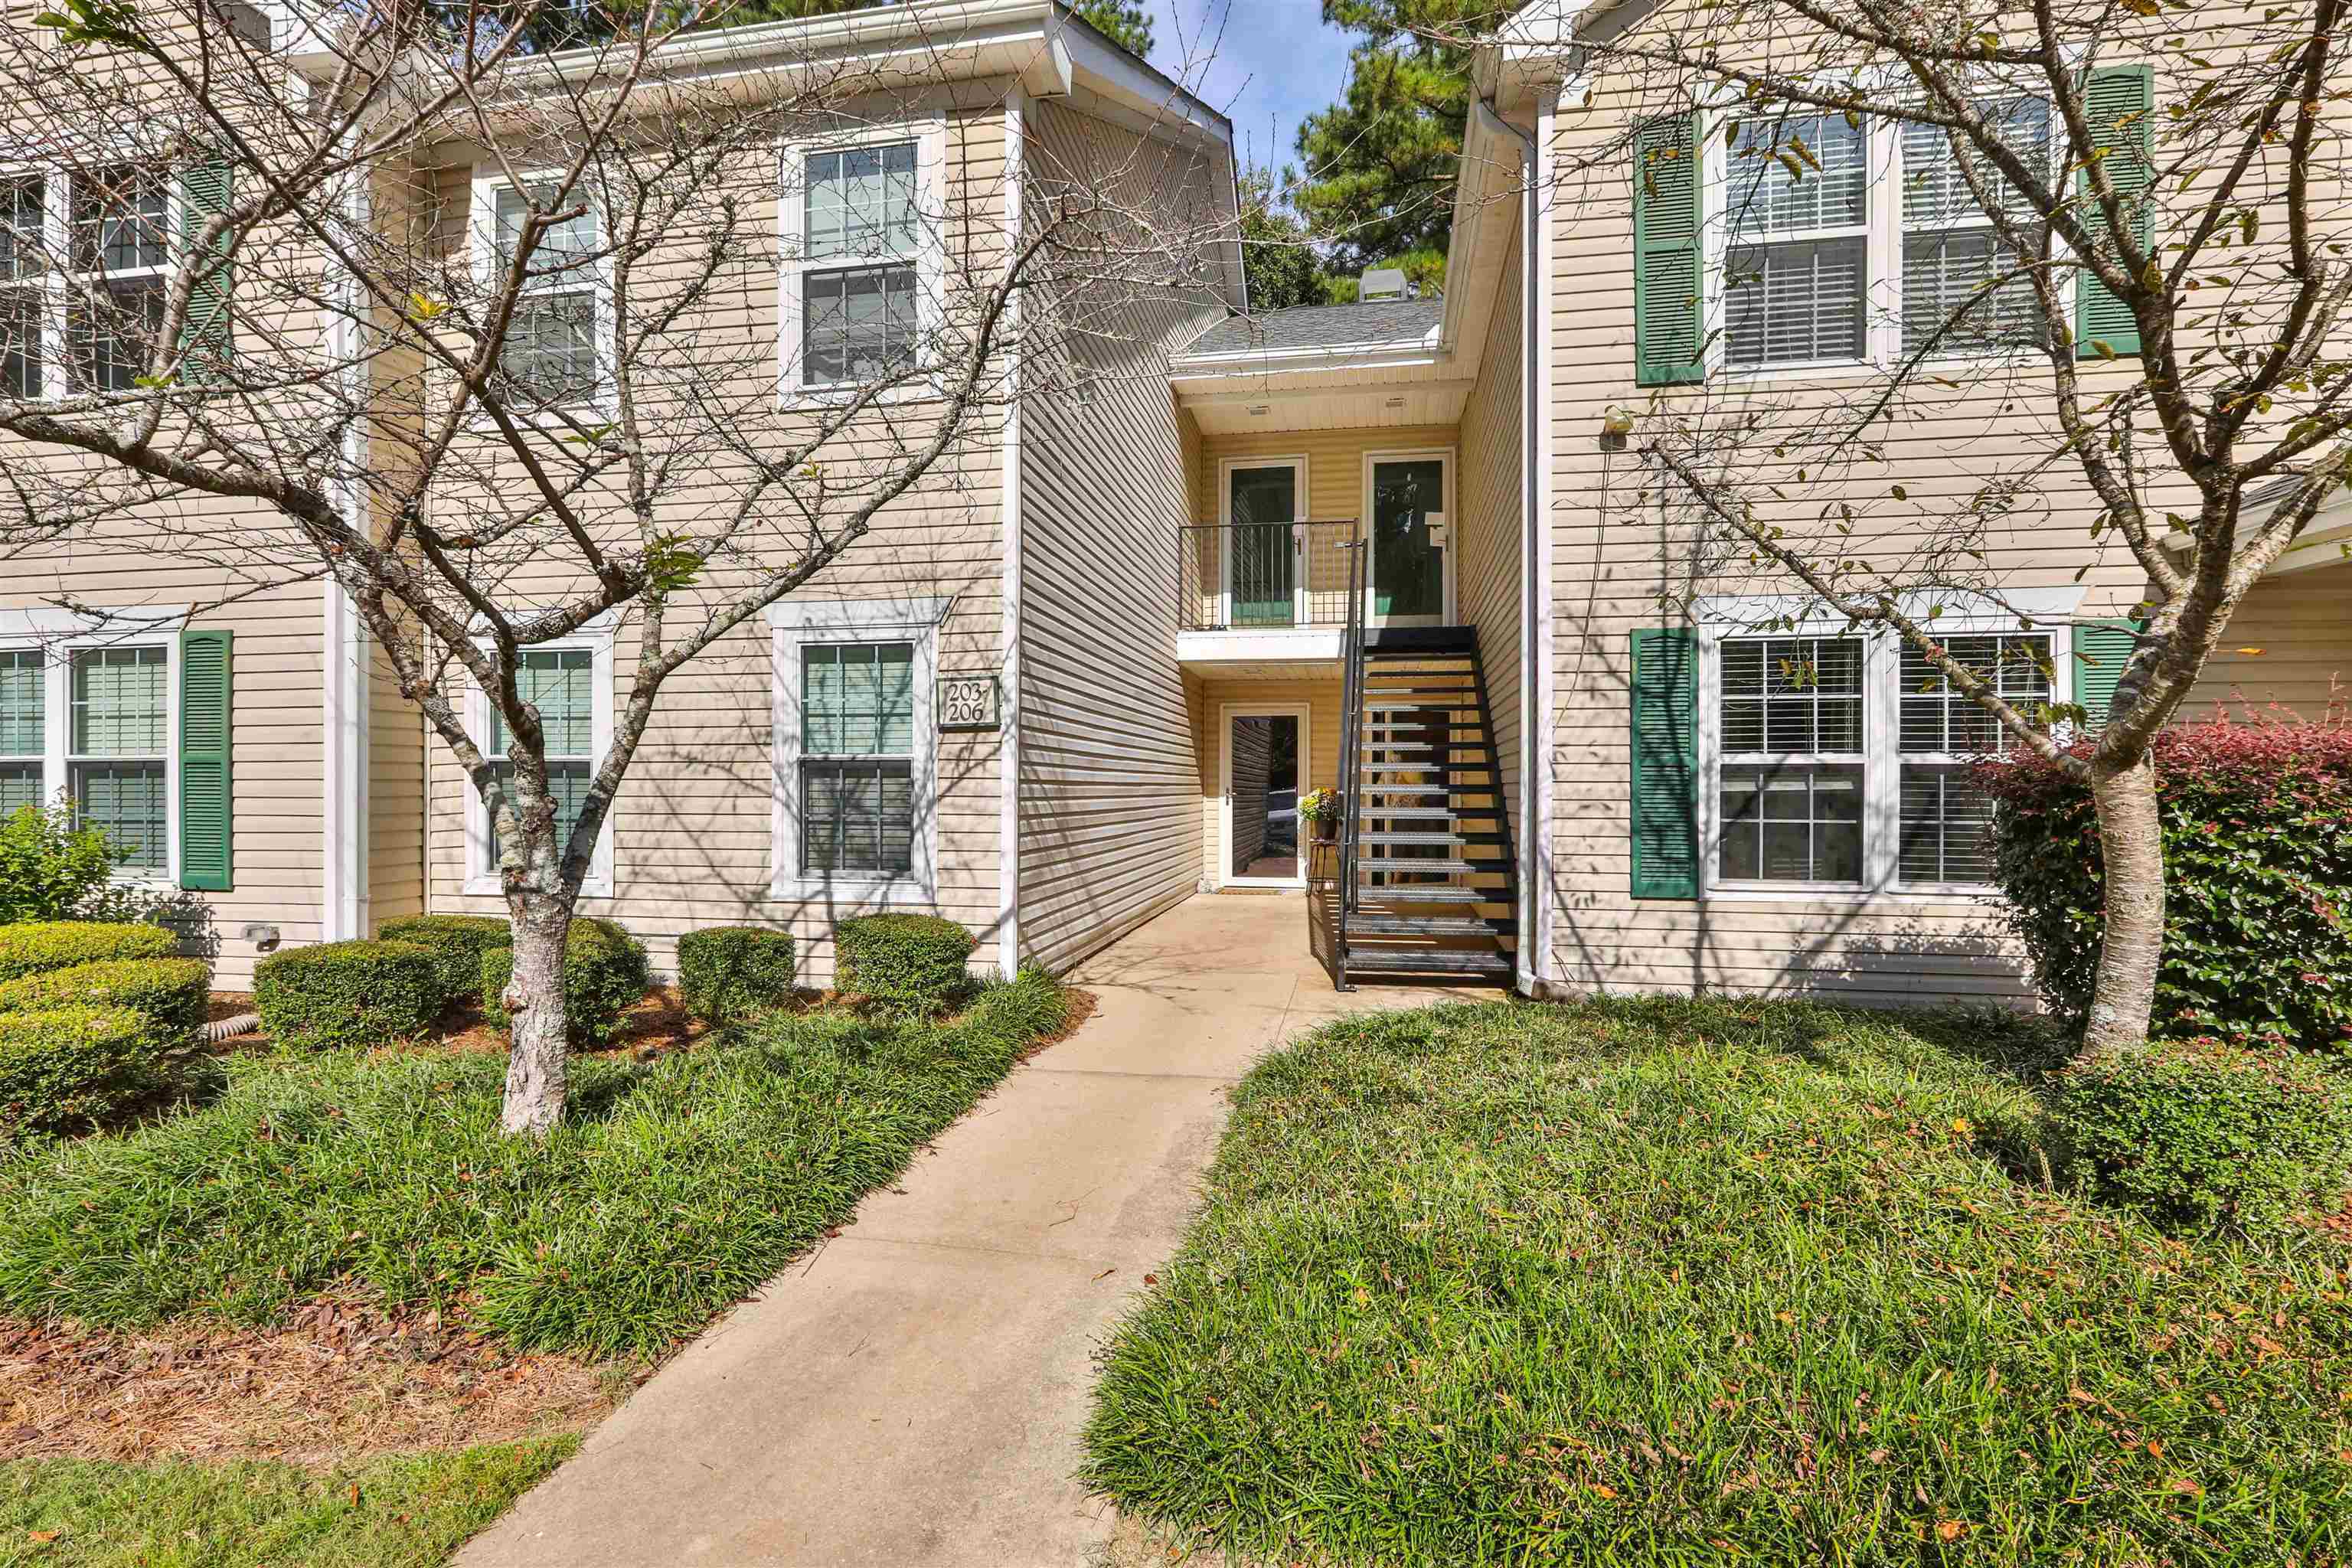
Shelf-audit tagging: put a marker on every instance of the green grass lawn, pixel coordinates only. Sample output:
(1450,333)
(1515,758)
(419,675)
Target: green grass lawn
(1679,1283)
(407,1512)
(672,1190)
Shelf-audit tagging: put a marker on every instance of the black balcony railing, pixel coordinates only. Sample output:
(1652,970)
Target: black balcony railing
(1264,577)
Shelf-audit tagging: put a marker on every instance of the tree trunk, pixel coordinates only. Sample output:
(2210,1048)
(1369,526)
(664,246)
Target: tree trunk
(533,1000)
(2131,946)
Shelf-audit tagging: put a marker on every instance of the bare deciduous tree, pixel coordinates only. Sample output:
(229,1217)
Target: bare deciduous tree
(495,420)
(2146,311)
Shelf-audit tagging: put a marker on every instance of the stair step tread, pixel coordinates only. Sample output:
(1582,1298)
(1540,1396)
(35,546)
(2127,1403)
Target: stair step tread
(1380,899)
(1434,867)
(1414,813)
(1412,960)
(1448,840)
(1431,925)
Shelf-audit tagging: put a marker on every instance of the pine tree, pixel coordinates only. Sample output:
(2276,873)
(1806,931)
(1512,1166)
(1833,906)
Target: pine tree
(1381,162)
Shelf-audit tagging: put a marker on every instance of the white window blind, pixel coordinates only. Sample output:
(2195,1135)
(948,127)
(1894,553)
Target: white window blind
(1951,251)
(1946,821)
(120,738)
(24,729)
(1792,779)
(861,230)
(857,758)
(1796,271)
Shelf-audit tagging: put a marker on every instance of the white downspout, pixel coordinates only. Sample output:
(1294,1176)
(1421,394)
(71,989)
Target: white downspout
(1008,747)
(1535,575)
(344,707)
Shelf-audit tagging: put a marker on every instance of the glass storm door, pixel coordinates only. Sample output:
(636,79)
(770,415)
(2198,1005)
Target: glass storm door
(1261,562)
(1408,567)
(1264,766)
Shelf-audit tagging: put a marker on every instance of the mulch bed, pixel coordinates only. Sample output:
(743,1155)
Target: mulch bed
(341,1381)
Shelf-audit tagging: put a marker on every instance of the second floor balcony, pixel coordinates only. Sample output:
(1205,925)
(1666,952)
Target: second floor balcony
(1263,591)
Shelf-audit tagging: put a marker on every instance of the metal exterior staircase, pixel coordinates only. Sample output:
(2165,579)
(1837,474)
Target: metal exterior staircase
(1429,883)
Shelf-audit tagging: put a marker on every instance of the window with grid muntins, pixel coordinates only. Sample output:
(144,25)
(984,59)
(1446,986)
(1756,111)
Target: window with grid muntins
(1796,270)
(120,221)
(24,729)
(1938,719)
(1792,779)
(1950,253)
(118,739)
(857,758)
(23,285)
(1945,832)
(562,684)
(1946,826)
(550,353)
(861,227)
(1793,695)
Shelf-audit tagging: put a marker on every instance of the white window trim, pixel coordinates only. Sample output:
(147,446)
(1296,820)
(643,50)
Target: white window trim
(1883,258)
(481,871)
(929,134)
(1882,756)
(56,721)
(55,285)
(816,623)
(482,251)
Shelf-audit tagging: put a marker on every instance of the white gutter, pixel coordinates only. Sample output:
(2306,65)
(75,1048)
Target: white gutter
(343,645)
(1538,698)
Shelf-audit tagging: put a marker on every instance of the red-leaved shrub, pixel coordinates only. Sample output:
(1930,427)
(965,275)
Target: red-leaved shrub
(2257,864)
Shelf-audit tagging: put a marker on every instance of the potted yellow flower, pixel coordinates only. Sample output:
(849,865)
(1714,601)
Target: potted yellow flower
(1323,808)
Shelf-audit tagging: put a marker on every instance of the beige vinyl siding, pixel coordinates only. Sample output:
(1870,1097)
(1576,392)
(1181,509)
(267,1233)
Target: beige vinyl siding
(1322,699)
(693,825)
(275,711)
(395,797)
(1490,564)
(1335,465)
(1613,553)
(1107,802)
(2290,644)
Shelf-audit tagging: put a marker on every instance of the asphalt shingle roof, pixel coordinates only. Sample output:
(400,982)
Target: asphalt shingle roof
(1322,327)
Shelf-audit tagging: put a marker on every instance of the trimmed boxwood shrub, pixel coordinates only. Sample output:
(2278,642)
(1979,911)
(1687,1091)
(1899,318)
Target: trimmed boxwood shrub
(61,1067)
(604,974)
(726,973)
(457,943)
(2258,900)
(174,992)
(32,946)
(2202,1136)
(348,994)
(902,958)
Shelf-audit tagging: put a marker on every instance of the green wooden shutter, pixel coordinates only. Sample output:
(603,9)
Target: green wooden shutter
(2101,648)
(1666,274)
(2120,103)
(1665,763)
(205,727)
(205,195)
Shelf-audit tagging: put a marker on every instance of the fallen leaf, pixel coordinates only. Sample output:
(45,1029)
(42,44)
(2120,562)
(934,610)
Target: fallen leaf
(1151,1279)
(1950,1530)
(1106,1273)
(43,1537)
(1604,1493)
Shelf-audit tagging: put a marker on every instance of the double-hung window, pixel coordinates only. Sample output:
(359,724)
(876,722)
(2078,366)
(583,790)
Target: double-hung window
(858,759)
(1842,763)
(24,286)
(1951,254)
(570,685)
(1797,265)
(858,244)
(24,729)
(1791,776)
(120,226)
(1945,820)
(551,355)
(117,763)
(854,753)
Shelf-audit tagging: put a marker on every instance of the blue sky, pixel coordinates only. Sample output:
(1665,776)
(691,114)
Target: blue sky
(1267,63)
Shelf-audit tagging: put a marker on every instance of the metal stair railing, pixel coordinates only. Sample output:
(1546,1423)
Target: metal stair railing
(1351,782)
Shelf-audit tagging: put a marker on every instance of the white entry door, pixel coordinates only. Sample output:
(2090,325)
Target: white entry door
(1266,767)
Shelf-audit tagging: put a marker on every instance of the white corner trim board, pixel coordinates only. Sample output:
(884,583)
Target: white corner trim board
(1008,735)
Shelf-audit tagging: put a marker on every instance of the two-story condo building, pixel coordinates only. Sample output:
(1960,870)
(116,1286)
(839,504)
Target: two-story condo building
(1390,548)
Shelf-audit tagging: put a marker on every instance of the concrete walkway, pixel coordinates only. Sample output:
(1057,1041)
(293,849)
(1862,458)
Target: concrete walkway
(911,1394)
